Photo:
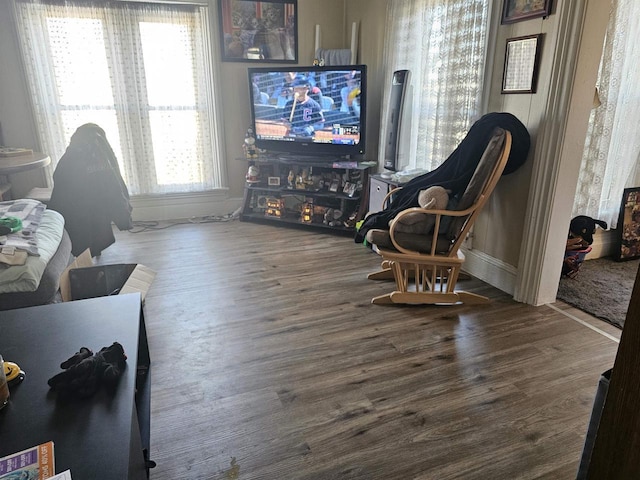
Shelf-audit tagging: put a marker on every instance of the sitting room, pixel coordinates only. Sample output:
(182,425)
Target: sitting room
(257,349)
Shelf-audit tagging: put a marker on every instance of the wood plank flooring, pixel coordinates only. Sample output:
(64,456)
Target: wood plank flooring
(269,362)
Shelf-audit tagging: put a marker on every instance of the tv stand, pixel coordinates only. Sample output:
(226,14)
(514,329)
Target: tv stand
(289,159)
(324,192)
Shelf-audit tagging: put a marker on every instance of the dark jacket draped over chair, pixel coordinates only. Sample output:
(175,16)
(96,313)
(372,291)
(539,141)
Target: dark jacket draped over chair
(89,192)
(456,171)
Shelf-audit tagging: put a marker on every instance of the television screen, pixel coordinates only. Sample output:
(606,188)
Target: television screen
(312,111)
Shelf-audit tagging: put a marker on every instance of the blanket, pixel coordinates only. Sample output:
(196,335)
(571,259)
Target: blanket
(30,213)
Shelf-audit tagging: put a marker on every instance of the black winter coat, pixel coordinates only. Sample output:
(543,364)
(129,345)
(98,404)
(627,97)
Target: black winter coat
(89,191)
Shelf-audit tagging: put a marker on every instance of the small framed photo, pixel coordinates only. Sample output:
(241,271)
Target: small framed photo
(521,61)
(519,10)
(629,224)
(335,184)
(274,181)
(349,189)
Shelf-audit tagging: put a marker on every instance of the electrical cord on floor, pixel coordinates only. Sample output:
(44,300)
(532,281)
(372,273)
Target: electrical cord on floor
(143,226)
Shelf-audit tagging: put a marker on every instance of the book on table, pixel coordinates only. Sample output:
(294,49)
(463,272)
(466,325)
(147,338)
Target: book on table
(34,463)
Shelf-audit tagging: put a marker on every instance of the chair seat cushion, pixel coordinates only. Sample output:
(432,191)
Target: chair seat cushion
(411,241)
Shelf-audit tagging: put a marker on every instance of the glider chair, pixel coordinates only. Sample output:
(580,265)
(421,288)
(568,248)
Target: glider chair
(421,248)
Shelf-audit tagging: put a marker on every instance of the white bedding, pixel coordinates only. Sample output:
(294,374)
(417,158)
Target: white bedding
(26,278)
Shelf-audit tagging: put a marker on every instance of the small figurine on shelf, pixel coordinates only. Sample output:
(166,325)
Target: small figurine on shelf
(253,174)
(291,178)
(249,147)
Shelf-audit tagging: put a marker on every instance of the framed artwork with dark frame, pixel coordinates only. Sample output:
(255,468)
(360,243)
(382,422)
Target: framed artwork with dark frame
(264,31)
(521,61)
(629,224)
(519,10)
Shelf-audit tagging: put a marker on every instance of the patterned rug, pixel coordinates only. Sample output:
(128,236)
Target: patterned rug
(602,288)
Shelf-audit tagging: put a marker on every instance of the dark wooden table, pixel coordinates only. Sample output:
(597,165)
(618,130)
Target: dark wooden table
(100,437)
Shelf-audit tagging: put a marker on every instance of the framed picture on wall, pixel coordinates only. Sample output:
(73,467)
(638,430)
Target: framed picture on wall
(519,10)
(629,224)
(265,31)
(521,61)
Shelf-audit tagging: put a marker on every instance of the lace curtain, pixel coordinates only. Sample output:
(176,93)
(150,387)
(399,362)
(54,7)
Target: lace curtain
(141,71)
(612,147)
(443,43)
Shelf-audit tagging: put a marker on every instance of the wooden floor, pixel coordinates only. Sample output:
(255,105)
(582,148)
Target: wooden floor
(269,362)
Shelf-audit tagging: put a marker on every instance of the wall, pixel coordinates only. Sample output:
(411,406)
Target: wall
(533,205)
(498,232)
(15,107)
(577,50)
(370,15)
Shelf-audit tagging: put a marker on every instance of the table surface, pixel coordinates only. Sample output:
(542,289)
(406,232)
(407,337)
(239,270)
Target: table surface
(22,163)
(94,437)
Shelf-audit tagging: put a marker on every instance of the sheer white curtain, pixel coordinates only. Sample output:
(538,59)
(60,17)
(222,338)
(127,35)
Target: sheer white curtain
(612,147)
(141,71)
(443,43)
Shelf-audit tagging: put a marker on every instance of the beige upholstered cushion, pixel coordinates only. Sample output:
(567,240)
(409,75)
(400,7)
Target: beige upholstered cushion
(410,241)
(432,198)
(481,175)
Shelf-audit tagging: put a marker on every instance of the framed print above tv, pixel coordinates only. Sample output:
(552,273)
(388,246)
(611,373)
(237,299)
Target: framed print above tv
(629,224)
(264,31)
(519,10)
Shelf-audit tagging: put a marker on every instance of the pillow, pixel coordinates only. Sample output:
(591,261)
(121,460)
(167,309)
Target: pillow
(432,198)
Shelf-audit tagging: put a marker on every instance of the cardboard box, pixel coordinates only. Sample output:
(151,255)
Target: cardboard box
(83,279)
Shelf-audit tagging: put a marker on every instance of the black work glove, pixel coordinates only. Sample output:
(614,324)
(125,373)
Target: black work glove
(115,361)
(85,372)
(80,380)
(76,358)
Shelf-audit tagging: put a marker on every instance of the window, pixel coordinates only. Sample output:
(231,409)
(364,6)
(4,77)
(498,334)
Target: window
(443,43)
(612,147)
(140,71)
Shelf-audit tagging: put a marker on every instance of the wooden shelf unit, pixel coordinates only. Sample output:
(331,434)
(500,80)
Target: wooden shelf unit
(330,195)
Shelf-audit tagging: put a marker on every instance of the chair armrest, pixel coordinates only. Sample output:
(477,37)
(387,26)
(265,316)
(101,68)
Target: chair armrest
(388,196)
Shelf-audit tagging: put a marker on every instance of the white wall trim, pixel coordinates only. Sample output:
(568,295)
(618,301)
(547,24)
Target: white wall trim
(491,270)
(540,260)
(501,275)
(180,206)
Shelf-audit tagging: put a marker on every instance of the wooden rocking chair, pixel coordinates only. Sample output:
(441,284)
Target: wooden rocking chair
(426,267)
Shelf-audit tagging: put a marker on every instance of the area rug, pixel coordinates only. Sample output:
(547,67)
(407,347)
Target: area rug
(602,288)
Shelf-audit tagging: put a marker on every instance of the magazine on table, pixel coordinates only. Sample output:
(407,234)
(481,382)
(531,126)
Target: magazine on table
(35,463)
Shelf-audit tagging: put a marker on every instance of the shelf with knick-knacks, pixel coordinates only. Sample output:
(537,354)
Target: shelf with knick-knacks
(296,190)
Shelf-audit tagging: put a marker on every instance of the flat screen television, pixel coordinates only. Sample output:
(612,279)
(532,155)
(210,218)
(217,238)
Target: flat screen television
(315,112)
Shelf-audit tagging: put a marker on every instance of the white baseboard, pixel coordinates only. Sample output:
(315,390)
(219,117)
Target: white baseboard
(180,206)
(501,275)
(491,270)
